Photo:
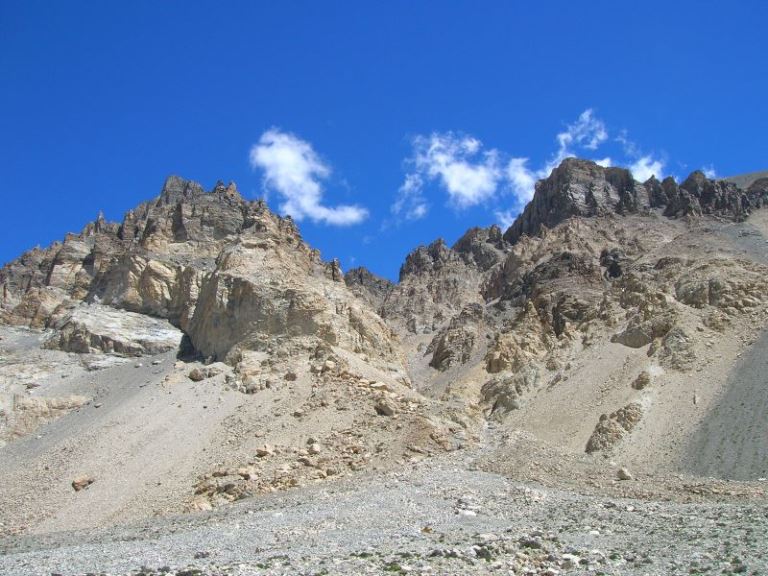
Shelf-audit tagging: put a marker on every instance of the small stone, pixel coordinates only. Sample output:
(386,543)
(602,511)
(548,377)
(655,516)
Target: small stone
(264,451)
(291,376)
(197,374)
(247,472)
(329,365)
(314,448)
(252,388)
(81,482)
(642,380)
(156,362)
(570,561)
(623,474)
(201,503)
(384,408)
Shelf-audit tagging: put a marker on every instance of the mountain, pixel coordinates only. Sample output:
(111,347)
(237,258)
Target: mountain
(746,180)
(200,352)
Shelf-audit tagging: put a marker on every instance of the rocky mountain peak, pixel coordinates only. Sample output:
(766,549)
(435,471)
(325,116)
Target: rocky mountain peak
(578,188)
(427,258)
(176,188)
(483,247)
(583,188)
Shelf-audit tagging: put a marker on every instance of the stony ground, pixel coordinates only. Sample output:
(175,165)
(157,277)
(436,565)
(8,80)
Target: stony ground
(436,516)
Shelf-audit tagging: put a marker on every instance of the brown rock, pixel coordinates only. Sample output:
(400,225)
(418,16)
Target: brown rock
(82,482)
(197,374)
(384,407)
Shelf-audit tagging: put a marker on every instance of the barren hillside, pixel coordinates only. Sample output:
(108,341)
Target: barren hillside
(610,343)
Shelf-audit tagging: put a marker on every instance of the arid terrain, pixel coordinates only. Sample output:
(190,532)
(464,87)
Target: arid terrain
(195,391)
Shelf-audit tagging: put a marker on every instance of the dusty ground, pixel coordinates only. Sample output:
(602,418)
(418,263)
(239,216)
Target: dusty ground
(440,516)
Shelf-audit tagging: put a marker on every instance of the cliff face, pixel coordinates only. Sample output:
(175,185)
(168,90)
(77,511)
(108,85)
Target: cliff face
(228,272)
(582,188)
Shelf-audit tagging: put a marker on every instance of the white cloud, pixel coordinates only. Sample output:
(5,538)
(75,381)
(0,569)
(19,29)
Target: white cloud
(294,170)
(709,171)
(410,202)
(521,179)
(505,218)
(458,164)
(645,167)
(587,133)
(471,175)
(604,162)
(642,166)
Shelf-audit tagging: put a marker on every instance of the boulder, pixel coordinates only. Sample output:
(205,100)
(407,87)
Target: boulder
(93,328)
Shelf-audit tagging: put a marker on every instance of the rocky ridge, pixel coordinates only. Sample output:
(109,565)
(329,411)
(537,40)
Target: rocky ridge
(585,324)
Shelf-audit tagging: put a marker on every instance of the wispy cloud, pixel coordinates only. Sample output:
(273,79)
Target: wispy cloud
(411,203)
(709,171)
(293,169)
(645,167)
(471,174)
(521,178)
(457,163)
(587,133)
(642,166)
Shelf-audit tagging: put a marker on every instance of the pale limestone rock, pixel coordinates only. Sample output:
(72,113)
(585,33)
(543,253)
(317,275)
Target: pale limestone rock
(96,328)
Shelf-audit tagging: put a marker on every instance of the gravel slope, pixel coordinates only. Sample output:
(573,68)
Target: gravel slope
(438,517)
(724,450)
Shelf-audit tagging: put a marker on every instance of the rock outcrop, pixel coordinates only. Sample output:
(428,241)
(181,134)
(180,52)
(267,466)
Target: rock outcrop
(226,271)
(371,288)
(583,188)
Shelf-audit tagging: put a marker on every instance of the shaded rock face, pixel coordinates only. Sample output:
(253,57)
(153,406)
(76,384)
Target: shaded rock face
(482,247)
(758,192)
(264,290)
(579,188)
(429,260)
(371,288)
(582,188)
(436,283)
(454,344)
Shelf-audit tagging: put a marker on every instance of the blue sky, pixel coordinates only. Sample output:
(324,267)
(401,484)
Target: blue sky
(380,125)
